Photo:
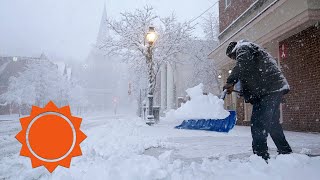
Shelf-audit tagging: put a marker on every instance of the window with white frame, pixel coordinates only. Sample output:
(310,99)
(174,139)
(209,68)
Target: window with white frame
(227,3)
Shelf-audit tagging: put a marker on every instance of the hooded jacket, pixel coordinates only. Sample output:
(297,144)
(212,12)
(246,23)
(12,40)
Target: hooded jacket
(257,72)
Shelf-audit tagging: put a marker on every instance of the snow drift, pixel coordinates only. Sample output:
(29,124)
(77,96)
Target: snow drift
(199,107)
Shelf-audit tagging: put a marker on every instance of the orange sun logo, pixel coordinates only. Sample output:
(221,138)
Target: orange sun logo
(50,136)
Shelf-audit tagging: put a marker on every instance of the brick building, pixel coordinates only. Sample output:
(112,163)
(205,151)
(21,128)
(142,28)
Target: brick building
(290,31)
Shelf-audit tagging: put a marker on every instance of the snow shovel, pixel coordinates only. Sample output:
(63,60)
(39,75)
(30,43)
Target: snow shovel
(219,125)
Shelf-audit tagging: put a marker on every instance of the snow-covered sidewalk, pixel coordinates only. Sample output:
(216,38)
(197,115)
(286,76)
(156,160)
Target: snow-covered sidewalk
(194,144)
(123,147)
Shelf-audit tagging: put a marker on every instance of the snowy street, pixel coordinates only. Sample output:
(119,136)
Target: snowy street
(123,147)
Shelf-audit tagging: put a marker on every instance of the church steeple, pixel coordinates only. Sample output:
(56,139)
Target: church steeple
(103,35)
(103,30)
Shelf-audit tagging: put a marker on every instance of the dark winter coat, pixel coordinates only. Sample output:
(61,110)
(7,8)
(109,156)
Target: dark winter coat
(257,71)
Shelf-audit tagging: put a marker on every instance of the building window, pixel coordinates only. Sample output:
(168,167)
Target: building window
(227,3)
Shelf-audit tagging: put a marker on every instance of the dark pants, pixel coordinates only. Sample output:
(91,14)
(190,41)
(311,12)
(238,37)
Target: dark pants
(264,121)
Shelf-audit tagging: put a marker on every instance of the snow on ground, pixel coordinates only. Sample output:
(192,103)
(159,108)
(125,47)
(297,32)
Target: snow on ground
(123,147)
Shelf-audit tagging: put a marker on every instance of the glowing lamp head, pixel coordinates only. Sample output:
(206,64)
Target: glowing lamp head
(151,35)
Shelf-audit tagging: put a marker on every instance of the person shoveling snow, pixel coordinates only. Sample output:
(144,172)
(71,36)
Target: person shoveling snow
(263,85)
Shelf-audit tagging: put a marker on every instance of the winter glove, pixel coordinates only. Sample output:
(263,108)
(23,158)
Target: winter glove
(228,87)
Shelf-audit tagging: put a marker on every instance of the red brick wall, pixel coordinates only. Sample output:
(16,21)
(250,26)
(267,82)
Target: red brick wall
(302,69)
(232,12)
(240,113)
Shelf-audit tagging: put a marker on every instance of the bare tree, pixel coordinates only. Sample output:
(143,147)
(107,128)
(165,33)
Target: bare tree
(40,82)
(210,26)
(128,41)
(204,70)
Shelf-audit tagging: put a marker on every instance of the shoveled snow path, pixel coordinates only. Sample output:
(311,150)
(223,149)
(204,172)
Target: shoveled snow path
(194,145)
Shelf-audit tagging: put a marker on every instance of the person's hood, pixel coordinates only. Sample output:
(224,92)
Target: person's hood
(244,42)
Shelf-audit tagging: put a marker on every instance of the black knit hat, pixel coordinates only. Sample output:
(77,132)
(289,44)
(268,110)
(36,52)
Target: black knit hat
(230,47)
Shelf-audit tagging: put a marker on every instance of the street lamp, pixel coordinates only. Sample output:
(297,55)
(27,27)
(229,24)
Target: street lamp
(151,37)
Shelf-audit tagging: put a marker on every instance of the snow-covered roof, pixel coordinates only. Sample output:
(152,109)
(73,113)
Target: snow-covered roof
(22,58)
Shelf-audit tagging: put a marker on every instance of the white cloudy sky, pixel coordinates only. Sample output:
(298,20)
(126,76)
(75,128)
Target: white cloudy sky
(68,28)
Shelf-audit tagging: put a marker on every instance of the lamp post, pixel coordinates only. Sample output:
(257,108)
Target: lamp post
(151,37)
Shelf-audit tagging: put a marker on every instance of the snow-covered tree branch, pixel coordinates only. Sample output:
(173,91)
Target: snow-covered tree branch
(210,26)
(204,70)
(41,82)
(128,40)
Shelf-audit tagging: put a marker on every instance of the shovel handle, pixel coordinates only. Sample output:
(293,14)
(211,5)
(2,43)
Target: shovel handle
(224,93)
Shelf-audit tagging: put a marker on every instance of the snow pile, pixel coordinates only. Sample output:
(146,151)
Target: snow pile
(200,106)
